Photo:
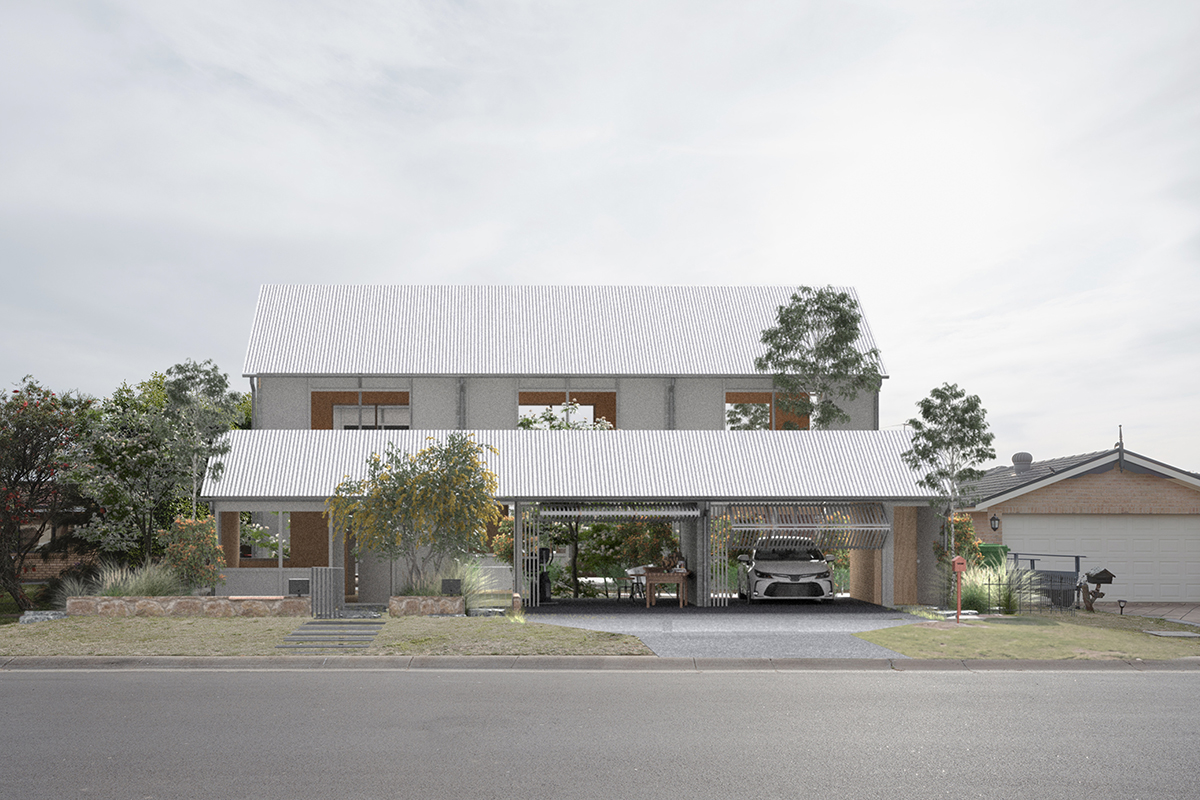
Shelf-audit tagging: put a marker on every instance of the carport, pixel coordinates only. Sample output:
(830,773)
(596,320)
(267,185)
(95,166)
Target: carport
(721,489)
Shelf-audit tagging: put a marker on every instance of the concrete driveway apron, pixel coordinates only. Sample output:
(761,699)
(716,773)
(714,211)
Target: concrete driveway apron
(778,629)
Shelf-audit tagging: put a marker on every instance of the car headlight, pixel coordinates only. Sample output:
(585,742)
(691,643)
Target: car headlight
(824,574)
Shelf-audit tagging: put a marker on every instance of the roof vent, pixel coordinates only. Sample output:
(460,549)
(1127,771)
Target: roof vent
(1022,462)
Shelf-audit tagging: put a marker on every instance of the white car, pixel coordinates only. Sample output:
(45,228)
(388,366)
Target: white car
(784,567)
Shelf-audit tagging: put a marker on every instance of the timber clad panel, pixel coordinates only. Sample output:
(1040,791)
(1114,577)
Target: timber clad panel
(904,555)
(866,575)
(310,539)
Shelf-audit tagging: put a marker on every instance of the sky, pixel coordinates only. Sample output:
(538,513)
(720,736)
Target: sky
(1012,187)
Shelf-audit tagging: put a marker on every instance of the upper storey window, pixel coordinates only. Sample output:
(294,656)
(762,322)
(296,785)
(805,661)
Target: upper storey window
(371,418)
(592,406)
(340,410)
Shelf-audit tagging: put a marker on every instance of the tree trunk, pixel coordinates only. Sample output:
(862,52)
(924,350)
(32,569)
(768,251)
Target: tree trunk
(10,582)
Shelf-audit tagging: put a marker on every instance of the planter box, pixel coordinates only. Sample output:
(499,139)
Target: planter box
(189,606)
(427,606)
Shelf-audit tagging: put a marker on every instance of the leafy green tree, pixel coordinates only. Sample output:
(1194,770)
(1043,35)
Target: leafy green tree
(747,416)
(950,437)
(134,466)
(38,432)
(202,406)
(420,507)
(813,356)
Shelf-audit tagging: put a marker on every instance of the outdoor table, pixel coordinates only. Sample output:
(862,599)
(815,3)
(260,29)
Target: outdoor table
(655,579)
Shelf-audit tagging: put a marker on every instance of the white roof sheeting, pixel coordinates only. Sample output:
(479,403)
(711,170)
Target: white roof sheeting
(513,330)
(617,465)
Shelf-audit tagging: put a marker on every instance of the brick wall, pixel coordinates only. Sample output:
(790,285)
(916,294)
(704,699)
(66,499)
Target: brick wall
(35,569)
(1112,492)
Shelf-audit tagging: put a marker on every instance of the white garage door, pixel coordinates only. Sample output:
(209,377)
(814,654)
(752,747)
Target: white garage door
(1156,558)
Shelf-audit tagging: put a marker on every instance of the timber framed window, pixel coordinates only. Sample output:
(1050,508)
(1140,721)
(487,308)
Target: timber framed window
(340,410)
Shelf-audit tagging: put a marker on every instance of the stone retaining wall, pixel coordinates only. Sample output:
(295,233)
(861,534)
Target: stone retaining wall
(426,606)
(189,607)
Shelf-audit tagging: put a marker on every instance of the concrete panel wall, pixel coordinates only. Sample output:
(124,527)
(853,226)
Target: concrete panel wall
(259,580)
(642,404)
(434,403)
(700,404)
(863,411)
(492,403)
(282,404)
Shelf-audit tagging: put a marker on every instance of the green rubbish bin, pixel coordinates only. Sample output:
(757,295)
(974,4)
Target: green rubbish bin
(994,555)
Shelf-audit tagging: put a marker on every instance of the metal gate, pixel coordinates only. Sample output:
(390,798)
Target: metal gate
(830,526)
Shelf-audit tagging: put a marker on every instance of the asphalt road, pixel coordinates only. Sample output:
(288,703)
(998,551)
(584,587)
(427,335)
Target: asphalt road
(365,733)
(779,629)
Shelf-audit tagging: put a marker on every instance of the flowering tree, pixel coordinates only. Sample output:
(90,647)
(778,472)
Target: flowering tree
(420,507)
(38,430)
(191,548)
(814,357)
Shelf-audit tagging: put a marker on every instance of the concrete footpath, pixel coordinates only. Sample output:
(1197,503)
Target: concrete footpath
(580,664)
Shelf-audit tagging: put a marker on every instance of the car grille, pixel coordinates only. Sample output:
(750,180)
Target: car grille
(807,589)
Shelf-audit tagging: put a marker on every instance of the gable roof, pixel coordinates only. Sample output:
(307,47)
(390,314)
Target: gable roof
(580,465)
(514,330)
(1004,483)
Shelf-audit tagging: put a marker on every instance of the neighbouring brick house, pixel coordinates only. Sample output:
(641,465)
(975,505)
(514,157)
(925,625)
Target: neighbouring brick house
(336,371)
(1134,516)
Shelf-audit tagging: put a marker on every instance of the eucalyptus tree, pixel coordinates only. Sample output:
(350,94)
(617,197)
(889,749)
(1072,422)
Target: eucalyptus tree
(950,438)
(814,356)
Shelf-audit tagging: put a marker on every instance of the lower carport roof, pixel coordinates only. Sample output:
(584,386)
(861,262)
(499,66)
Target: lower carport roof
(591,466)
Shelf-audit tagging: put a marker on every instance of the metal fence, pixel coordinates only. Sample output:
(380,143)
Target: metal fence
(1016,592)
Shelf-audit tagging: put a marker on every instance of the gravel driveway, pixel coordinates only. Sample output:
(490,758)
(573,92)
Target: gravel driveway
(778,629)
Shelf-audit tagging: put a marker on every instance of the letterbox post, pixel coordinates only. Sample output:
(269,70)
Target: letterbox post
(960,566)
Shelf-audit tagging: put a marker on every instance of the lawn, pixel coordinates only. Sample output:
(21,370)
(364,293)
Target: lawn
(198,636)
(1082,636)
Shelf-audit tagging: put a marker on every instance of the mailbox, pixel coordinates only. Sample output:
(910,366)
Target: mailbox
(959,563)
(1100,576)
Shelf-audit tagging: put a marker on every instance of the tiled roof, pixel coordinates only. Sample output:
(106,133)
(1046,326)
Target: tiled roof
(1001,480)
(594,465)
(513,330)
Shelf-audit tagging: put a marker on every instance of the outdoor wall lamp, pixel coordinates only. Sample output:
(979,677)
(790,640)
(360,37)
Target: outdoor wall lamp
(1121,603)
(995,522)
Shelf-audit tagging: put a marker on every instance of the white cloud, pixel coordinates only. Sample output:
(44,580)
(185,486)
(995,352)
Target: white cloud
(1012,187)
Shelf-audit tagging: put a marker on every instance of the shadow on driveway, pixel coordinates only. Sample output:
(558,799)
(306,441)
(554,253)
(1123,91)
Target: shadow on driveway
(778,629)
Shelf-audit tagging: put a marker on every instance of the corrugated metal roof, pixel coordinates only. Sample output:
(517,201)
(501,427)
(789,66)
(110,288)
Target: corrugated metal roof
(629,466)
(513,330)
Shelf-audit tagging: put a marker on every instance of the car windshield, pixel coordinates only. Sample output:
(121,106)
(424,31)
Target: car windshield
(788,554)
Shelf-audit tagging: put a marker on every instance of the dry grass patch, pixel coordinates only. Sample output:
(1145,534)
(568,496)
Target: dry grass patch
(198,636)
(1083,636)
